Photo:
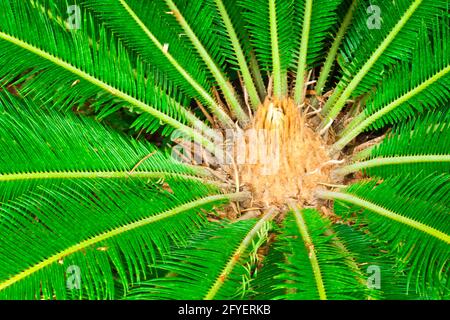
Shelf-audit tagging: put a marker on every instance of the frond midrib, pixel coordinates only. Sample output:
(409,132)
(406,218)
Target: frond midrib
(330,110)
(108,88)
(301,70)
(278,81)
(362,125)
(223,83)
(309,245)
(349,198)
(97,174)
(237,254)
(118,231)
(240,56)
(394,160)
(351,261)
(217,110)
(331,57)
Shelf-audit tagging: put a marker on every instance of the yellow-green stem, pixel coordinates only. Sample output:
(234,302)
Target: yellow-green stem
(223,83)
(116,232)
(307,240)
(212,104)
(331,57)
(301,71)
(331,195)
(239,252)
(331,109)
(242,62)
(279,76)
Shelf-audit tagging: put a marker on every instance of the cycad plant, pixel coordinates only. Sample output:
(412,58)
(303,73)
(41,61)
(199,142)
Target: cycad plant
(224,149)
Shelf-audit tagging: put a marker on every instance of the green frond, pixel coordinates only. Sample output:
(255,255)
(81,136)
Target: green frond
(236,53)
(316,19)
(271,28)
(361,40)
(152,30)
(429,70)
(379,269)
(370,52)
(310,264)
(347,10)
(363,258)
(109,231)
(265,280)
(62,65)
(399,97)
(160,42)
(322,20)
(216,37)
(420,146)
(410,216)
(221,79)
(45,147)
(217,264)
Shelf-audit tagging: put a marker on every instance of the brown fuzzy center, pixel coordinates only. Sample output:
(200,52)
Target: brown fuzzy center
(285,158)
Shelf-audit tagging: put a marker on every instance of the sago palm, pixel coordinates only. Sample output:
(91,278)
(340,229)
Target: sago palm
(224,149)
